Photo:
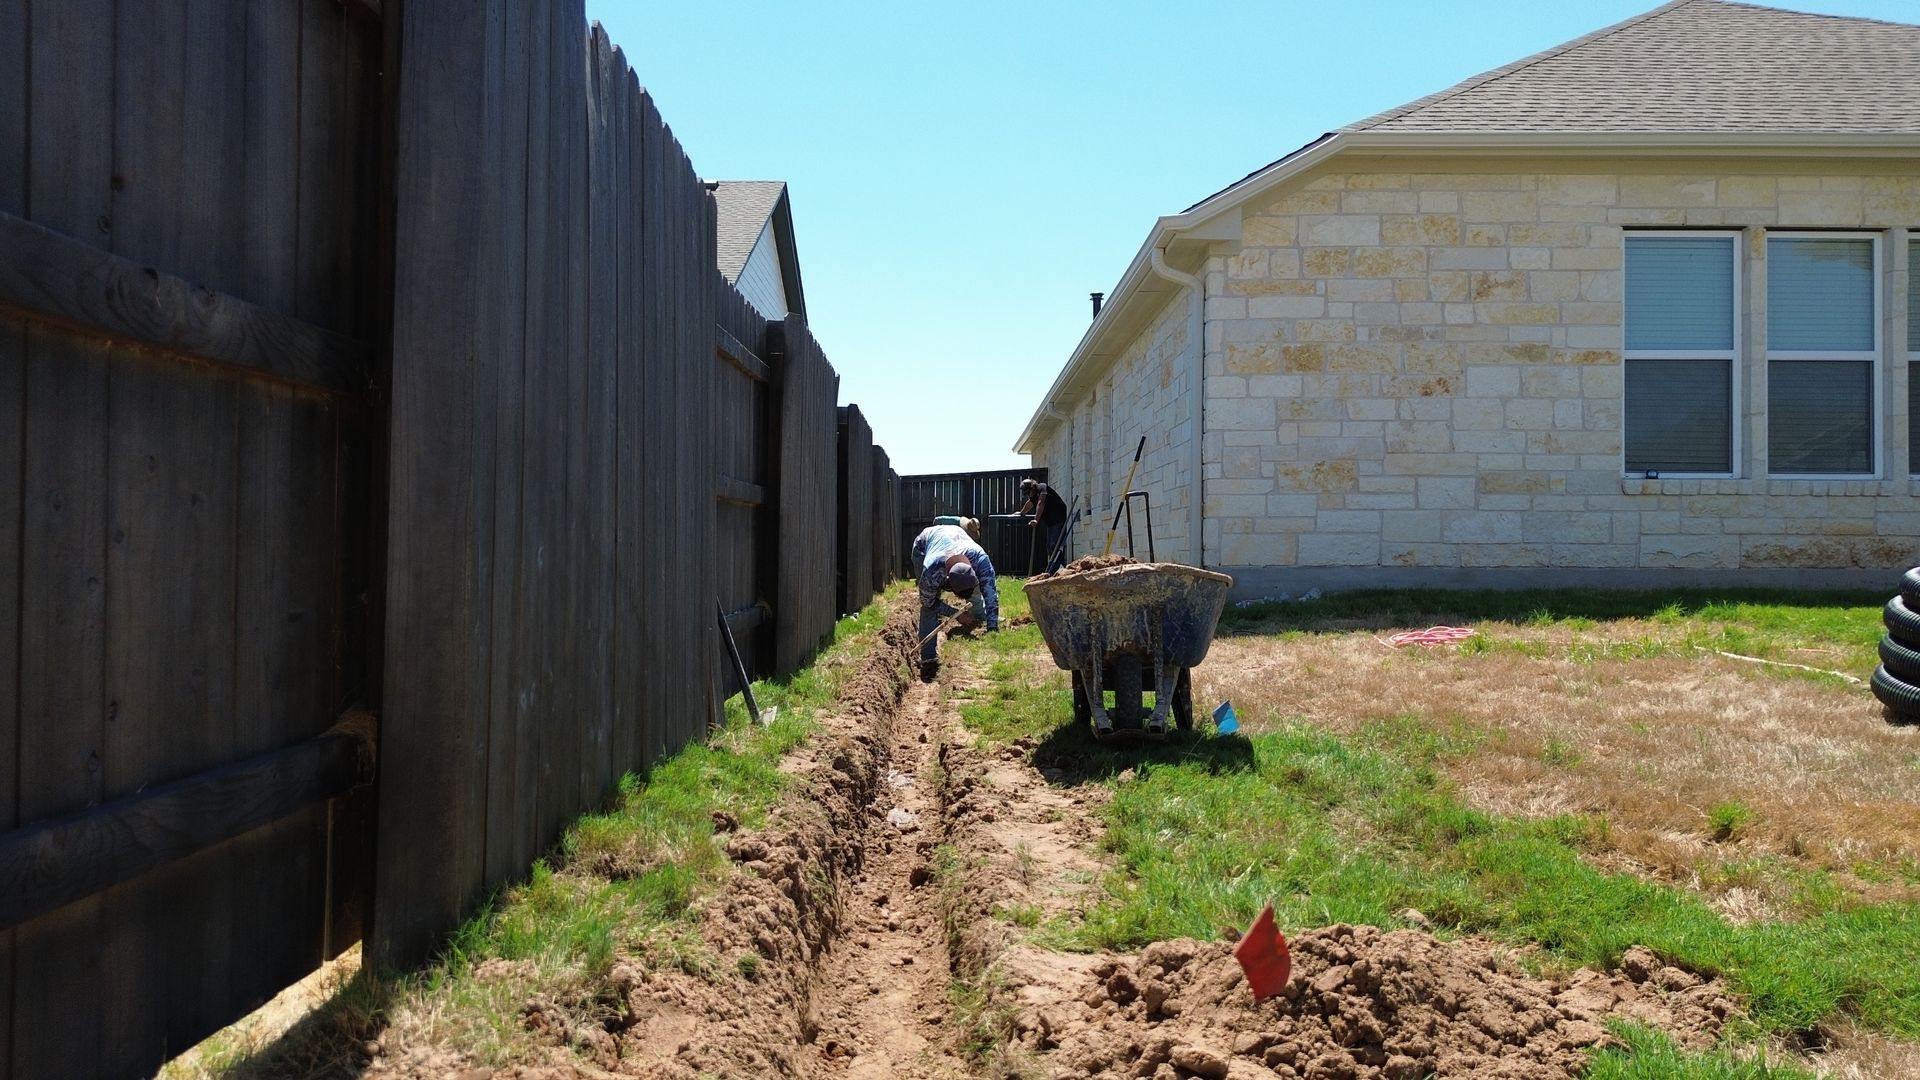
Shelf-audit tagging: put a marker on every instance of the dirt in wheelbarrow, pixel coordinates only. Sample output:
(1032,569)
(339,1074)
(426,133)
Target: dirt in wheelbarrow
(1086,563)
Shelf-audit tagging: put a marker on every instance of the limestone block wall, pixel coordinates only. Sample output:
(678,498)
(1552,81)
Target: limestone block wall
(1144,392)
(1417,364)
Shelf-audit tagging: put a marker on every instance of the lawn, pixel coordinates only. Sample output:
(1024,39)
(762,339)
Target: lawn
(1589,772)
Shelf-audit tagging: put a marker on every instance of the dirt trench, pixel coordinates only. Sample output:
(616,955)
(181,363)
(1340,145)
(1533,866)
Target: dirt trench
(876,932)
(833,946)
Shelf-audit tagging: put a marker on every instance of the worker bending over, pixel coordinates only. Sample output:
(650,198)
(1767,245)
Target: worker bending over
(949,559)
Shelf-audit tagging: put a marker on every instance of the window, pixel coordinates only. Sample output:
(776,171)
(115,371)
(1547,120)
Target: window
(1823,339)
(1913,350)
(1681,311)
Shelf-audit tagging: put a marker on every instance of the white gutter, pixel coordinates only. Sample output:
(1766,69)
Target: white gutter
(1196,398)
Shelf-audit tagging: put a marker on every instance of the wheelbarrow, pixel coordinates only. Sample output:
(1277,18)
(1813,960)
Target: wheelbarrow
(1130,628)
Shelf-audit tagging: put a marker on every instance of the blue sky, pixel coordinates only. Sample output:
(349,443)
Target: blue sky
(963,176)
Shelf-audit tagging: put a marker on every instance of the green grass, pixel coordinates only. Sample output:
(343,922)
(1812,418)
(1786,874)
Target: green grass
(648,858)
(1727,819)
(1651,1055)
(1354,830)
(1204,831)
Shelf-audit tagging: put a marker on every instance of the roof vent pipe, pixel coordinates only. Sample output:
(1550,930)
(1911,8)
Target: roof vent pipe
(1097,297)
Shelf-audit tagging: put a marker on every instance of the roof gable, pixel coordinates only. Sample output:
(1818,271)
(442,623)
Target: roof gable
(1693,66)
(744,210)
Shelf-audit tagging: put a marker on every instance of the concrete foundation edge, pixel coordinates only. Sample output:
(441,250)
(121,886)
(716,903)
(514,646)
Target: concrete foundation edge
(1277,582)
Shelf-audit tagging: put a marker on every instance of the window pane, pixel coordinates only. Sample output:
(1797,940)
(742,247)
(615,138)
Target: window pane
(1913,292)
(1679,292)
(1819,295)
(1679,416)
(1913,419)
(1819,416)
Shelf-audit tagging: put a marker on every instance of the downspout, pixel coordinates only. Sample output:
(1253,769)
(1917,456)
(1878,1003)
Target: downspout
(1196,397)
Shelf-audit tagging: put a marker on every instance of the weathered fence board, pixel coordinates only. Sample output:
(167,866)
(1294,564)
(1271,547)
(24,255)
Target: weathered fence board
(441,524)
(885,522)
(854,518)
(742,487)
(13,423)
(808,537)
(14,77)
(182,534)
(591,426)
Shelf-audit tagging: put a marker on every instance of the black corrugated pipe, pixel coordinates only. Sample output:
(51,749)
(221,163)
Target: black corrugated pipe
(1097,297)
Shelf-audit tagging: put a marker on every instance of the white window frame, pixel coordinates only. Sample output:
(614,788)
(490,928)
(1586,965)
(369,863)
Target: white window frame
(1912,245)
(1872,356)
(1735,379)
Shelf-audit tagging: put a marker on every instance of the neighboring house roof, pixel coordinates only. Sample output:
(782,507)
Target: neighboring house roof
(1687,77)
(746,209)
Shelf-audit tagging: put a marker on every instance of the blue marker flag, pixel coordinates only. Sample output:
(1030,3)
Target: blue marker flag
(1224,721)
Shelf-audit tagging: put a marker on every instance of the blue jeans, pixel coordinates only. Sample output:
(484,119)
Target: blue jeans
(930,620)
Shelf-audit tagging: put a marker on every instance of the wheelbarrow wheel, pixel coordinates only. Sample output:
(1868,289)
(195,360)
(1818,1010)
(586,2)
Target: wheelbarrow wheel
(1082,708)
(1183,701)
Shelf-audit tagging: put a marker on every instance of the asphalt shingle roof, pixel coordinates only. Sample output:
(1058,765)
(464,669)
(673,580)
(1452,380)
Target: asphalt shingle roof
(1693,66)
(743,207)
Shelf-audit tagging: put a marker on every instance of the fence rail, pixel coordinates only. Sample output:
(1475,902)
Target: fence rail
(361,360)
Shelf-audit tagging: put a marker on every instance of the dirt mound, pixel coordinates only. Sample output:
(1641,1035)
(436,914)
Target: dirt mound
(1362,1003)
(1088,562)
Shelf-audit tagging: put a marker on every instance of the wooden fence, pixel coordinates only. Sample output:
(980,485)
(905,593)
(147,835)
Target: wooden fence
(1011,545)
(368,399)
(189,322)
(885,520)
(855,518)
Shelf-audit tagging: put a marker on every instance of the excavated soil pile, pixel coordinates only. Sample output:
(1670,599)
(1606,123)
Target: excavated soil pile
(741,1001)
(1088,562)
(1362,1003)
(784,911)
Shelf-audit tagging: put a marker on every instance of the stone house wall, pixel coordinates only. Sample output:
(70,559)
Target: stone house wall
(1087,454)
(1415,364)
(1416,367)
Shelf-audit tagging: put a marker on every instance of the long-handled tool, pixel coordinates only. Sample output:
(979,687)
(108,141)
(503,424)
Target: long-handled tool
(1060,545)
(1128,486)
(946,623)
(739,667)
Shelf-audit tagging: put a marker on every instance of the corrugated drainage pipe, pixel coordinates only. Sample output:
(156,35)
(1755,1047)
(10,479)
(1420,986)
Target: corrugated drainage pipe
(1196,397)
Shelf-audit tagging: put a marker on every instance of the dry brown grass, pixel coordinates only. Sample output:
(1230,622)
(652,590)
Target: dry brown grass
(1654,744)
(1855,1054)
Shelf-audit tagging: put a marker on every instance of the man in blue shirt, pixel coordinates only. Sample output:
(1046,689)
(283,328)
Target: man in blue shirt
(949,559)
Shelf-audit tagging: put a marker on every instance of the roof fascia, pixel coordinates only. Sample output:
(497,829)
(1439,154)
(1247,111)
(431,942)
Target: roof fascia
(781,222)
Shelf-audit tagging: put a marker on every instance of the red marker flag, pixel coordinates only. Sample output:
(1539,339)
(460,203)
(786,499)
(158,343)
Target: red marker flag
(1263,956)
